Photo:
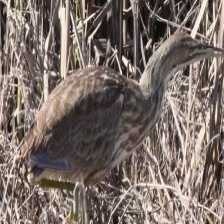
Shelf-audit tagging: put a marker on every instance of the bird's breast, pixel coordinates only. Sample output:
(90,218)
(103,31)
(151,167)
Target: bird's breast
(132,129)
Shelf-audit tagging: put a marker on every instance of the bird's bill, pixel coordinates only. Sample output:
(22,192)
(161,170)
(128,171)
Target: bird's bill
(210,51)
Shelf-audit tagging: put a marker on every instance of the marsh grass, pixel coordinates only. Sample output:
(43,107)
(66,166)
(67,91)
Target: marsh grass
(177,175)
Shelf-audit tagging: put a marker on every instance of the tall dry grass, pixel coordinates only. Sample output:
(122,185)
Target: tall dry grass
(177,176)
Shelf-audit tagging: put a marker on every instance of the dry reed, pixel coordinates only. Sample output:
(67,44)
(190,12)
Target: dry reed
(177,176)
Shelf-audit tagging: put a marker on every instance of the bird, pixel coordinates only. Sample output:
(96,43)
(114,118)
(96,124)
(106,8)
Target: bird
(95,118)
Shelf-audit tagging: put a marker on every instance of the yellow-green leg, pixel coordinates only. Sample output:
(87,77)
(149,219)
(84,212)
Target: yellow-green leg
(80,212)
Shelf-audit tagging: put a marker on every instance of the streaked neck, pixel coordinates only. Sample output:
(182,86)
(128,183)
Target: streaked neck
(155,75)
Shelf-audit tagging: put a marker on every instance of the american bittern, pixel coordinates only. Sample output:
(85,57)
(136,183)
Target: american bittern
(96,117)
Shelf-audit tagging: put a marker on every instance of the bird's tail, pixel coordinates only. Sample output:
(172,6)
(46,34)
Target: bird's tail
(29,143)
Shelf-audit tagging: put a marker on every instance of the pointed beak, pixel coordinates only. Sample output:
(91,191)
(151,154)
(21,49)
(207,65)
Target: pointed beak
(198,52)
(211,51)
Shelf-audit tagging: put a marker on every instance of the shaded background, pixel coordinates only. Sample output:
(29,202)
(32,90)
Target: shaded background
(177,175)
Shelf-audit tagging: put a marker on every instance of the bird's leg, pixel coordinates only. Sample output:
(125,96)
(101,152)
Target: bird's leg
(74,214)
(76,201)
(85,217)
(80,212)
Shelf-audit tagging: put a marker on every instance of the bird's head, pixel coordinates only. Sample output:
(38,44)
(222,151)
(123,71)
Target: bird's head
(176,52)
(181,50)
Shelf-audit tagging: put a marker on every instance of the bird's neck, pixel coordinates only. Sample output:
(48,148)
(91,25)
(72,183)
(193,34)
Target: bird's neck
(153,84)
(154,78)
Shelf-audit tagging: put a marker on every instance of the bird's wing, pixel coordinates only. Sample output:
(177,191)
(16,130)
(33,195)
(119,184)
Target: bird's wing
(78,122)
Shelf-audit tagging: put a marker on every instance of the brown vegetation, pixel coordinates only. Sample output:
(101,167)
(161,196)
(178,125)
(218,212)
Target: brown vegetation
(177,176)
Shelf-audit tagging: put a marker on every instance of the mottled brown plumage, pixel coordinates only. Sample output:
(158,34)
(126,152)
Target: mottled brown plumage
(81,123)
(96,117)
